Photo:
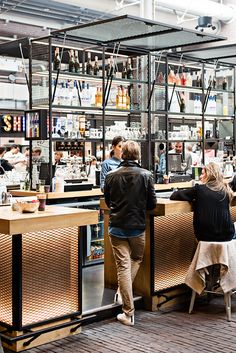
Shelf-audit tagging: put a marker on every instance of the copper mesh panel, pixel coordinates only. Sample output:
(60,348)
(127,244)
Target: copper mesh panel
(233,213)
(50,274)
(6,279)
(174,246)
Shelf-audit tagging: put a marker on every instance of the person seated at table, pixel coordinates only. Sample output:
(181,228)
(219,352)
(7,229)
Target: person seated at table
(211,215)
(5,166)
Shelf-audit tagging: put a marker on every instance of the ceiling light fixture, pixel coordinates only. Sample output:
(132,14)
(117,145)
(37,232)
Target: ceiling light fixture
(205,22)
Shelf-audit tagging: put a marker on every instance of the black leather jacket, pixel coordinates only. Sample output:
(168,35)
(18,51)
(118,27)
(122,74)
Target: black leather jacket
(129,192)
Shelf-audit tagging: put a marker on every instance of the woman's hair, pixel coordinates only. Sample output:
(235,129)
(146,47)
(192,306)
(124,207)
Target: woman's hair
(2,149)
(116,140)
(59,153)
(214,180)
(130,151)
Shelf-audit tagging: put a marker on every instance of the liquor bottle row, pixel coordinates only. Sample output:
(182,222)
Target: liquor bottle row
(193,79)
(70,126)
(77,127)
(192,104)
(74,93)
(93,68)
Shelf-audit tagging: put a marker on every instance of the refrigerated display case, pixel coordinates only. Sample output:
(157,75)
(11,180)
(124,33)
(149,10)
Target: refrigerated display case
(92,235)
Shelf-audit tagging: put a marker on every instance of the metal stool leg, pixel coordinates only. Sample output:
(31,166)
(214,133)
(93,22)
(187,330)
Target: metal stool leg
(192,301)
(227,298)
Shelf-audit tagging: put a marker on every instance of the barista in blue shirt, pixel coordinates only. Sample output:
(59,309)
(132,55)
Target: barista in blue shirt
(114,161)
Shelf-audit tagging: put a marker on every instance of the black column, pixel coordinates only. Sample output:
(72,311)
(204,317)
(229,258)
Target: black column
(17,281)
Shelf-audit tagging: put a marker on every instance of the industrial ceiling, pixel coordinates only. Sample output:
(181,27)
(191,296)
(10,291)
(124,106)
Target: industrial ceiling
(37,18)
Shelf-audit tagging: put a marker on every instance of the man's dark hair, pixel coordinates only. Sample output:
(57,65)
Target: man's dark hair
(161,146)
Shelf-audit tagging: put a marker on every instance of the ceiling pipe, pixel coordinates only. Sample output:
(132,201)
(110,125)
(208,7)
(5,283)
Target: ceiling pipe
(224,13)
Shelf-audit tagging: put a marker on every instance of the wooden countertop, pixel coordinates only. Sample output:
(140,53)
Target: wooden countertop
(14,222)
(59,195)
(164,207)
(93,192)
(171,186)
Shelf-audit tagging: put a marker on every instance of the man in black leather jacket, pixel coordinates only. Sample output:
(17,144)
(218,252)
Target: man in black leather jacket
(129,192)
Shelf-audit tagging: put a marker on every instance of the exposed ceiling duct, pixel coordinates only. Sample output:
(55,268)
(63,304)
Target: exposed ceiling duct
(18,18)
(225,13)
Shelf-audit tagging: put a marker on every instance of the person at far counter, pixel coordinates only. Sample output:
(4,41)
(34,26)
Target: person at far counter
(160,164)
(5,166)
(58,155)
(16,158)
(178,148)
(37,157)
(211,215)
(114,161)
(129,192)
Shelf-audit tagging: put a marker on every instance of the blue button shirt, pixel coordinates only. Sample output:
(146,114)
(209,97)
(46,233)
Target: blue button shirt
(107,166)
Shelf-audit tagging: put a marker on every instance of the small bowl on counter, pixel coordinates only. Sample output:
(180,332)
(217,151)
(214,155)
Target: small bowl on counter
(26,207)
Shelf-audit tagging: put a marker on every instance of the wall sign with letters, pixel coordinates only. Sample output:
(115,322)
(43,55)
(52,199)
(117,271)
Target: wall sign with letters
(12,123)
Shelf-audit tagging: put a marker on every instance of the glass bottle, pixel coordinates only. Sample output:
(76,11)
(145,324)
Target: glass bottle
(76,60)
(71,61)
(82,125)
(124,71)
(131,95)
(96,67)
(108,67)
(127,100)
(89,67)
(129,69)
(182,105)
(214,82)
(171,77)
(178,80)
(198,82)
(160,77)
(56,61)
(210,82)
(113,71)
(224,84)
(189,79)
(183,78)
(27,182)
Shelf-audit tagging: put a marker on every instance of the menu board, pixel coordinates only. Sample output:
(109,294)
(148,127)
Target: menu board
(36,124)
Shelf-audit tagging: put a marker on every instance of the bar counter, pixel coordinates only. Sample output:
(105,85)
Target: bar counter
(94,192)
(170,246)
(40,274)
